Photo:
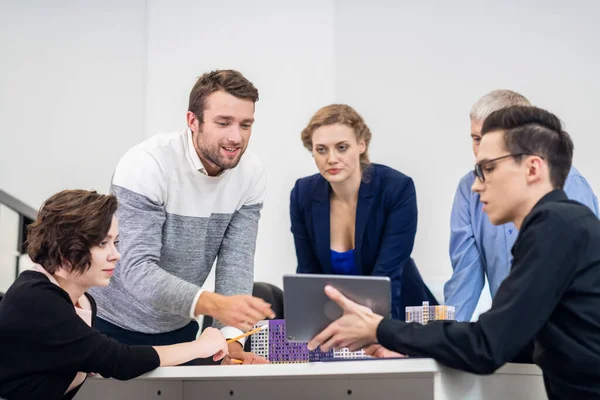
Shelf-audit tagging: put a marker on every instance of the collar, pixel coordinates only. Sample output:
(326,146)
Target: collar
(196,162)
(551,197)
(42,270)
(554,196)
(83,301)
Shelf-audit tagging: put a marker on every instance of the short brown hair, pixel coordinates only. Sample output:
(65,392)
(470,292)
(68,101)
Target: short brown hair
(227,80)
(68,225)
(339,114)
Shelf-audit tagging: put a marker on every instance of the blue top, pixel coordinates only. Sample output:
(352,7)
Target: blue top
(386,223)
(479,249)
(343,263)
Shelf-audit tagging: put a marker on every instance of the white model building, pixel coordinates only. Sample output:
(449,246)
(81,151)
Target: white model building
(425,313)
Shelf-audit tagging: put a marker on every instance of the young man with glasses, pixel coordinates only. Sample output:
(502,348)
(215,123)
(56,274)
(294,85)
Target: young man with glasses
(478,249)
(547,310)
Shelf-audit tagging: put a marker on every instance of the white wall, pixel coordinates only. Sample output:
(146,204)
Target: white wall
(414,69)
(82,81)
(71,93)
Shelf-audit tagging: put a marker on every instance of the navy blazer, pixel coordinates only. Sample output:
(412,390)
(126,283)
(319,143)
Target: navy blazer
(386,224)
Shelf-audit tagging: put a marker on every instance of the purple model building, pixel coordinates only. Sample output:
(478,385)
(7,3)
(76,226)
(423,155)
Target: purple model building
(272,344)
(280,349)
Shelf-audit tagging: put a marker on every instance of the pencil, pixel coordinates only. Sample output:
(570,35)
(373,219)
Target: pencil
(236,361)
(235,339)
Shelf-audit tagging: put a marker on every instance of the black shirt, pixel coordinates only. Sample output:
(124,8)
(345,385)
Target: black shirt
(546,311)
(44,343)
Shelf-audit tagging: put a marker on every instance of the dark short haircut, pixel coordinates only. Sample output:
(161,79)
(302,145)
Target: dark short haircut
(68,225)
(228,80)
(533,130)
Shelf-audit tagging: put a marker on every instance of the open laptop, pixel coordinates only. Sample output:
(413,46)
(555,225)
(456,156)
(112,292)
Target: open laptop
(308,310)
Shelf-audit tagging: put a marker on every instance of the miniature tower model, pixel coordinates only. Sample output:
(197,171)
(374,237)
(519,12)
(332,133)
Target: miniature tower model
(425,313)
(260,341)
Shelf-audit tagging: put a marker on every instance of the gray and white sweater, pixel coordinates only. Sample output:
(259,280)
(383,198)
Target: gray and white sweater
(174,221)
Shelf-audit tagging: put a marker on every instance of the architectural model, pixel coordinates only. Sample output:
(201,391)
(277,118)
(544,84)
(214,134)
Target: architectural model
(272,344)
(425,313)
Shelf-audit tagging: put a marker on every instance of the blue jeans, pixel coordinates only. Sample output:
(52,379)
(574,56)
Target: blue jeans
(130,338)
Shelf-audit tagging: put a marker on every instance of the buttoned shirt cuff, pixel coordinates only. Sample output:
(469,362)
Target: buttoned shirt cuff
(231,332)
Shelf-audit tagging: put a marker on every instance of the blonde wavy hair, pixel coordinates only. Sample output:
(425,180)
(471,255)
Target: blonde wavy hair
(339,114)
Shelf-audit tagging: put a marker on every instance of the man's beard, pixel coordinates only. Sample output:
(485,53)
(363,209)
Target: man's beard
(214,155)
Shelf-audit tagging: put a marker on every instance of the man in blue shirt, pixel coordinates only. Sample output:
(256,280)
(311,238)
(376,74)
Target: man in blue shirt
(478,248)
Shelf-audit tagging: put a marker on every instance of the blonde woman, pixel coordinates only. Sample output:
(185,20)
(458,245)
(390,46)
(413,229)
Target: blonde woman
(355,217)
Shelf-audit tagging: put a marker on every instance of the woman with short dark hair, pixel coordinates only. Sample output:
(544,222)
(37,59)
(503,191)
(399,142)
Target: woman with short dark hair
(47,341)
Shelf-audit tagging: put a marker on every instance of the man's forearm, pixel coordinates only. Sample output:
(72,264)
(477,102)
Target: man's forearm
(206,304)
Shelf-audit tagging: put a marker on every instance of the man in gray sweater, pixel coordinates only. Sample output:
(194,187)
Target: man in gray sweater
(186,199)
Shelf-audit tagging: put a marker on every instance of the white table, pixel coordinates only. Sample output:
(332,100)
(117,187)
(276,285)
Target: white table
(350,380)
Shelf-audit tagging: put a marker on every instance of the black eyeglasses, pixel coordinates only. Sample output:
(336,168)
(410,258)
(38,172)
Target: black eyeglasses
(478,171)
